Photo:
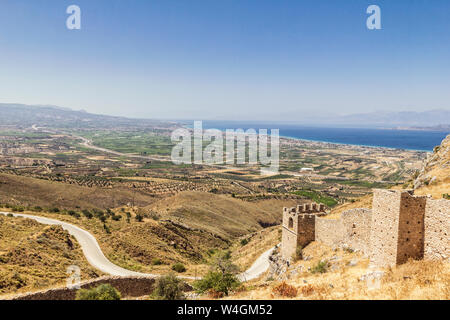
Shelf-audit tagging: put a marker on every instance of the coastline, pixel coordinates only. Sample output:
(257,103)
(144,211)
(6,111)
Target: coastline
(190,127)
(355,145)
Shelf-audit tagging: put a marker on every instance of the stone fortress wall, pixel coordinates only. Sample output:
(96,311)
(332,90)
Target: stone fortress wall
(400,226)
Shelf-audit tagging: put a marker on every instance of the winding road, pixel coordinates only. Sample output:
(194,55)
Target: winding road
(97,259)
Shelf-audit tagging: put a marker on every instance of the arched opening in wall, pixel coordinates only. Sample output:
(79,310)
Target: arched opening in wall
(291,223)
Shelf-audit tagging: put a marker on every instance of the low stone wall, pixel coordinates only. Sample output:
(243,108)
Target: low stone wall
(437,229)
(128,287)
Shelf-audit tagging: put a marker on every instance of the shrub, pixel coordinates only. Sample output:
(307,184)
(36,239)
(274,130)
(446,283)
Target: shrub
(108,231)
(213,294)
(179,267)
(139,217)
(156,262)
(116,217)
(285,290)
(446,196)
(155,217)
(320,267)
(102,292)
(244,242)
(169,287)
(37,209)
(87,213)
(72,213)
(217,281)
(307,290)
(221,278)
(54,210)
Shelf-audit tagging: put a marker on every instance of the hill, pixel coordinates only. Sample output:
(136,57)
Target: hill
(34,256)
(391,119)
(434,178)
(51,116)
(28,191)
(220,214)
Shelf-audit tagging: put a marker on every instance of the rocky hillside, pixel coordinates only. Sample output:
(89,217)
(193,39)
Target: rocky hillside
(434,178)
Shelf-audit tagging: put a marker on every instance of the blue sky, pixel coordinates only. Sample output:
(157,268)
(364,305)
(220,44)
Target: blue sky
(226,59)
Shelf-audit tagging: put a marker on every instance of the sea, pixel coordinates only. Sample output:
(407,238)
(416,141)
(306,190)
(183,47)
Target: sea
(419,140)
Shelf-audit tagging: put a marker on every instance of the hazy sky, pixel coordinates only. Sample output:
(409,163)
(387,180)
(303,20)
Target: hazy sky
(226,59)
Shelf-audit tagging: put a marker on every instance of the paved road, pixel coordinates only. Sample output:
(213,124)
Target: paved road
(258,267)
(97,259)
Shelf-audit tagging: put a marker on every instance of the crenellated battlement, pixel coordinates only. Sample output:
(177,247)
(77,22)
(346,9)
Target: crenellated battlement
(306,208)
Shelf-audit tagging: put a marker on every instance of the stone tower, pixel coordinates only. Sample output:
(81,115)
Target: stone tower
(298,228)
(397,227)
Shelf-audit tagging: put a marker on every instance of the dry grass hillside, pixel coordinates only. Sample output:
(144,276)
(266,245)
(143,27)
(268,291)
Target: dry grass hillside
(185,228)
(38,192)
(34,256)
(363,202)
(434,178)
(220,214)
(342,276)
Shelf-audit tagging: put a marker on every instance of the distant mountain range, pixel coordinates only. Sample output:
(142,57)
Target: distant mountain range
(437,119)
(53,116)
(44,115)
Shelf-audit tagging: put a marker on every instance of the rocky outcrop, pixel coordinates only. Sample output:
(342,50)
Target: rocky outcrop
(437,166)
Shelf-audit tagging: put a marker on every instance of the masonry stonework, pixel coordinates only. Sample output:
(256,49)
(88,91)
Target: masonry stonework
(329,231)
(357,225)
(437,230)
(298,228)
(399,227)
(127,286)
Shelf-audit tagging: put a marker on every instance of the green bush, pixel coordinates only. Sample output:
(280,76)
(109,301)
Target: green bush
(18,208)
(54,210)
(179,267)
(218,281)
(320,267)
(87,213)
(102,292)
(244,242)
(169,287)
(156,262)
(222,276)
